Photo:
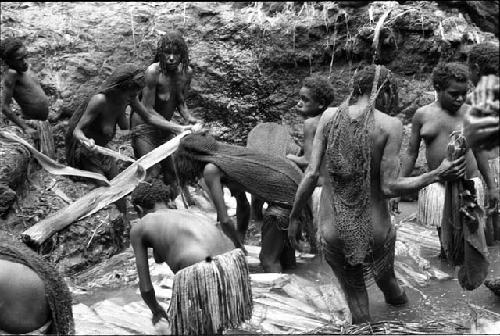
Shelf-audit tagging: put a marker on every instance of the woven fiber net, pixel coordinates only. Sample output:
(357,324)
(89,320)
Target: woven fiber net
(348,156)
(359,276)
(272,138)
(271,178)
(57,292)
(211,296)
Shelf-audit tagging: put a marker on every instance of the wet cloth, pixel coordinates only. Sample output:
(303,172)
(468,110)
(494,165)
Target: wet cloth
(57,292)
(373,267)
(40,331)
(348,158)
(462,228)
(431,201)
(211,295)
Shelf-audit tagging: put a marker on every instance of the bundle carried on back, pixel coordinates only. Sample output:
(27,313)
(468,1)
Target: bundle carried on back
(58,294)
(462,229)
(211,295)
(273,139)
(273,179)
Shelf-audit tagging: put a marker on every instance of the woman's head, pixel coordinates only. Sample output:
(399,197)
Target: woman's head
(450,82)
(171,51)
(387,98)
(127,77)
(149,193)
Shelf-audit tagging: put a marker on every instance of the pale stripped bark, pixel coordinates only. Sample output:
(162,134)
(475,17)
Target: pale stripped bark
(120,186)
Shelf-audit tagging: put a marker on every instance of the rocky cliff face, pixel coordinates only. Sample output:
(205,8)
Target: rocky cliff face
(249,59)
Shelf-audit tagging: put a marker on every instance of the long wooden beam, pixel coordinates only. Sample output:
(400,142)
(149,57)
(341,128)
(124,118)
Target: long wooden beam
(120,186)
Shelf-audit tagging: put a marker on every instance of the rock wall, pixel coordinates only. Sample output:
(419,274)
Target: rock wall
(249,59)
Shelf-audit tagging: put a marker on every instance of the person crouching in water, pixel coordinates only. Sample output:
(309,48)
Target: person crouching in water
(211,290)
(272,179)
(359,146)
(34,298)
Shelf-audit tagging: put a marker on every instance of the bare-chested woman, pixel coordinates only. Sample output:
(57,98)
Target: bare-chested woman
(433,123)
(96,124)
(359,146)
(20,83)
(200,254)
(167,82)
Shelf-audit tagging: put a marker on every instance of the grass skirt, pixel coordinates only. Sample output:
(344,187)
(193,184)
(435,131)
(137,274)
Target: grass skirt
(211,296)
(431,202)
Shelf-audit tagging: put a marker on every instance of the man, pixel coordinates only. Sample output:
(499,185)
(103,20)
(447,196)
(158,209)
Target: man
(34,298)
(359,148)
(434,123)
(167,82)
(273,179)
(95,122)
(201,257)
(20,83)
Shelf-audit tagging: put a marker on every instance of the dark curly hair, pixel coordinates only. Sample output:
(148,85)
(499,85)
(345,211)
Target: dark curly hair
(148,193)
(485,55)
(445,72)
(363,82)
(9,46)
(172,41)
(321,89)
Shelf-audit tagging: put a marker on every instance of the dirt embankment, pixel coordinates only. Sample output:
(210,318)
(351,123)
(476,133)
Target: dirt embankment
(249,60)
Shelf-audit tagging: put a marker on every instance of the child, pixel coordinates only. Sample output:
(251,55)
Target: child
(315,96)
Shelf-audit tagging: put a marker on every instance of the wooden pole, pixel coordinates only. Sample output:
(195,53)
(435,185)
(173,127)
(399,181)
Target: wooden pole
(120,186)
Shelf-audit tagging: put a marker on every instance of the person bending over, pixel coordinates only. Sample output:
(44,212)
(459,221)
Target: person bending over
(197,251)
(272,179)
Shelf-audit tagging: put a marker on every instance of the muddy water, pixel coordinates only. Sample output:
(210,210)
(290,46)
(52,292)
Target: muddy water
(440,299)
(434,300)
